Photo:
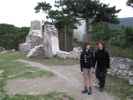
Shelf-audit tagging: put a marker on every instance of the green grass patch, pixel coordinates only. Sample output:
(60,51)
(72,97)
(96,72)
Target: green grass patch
(14,69)
(50,96)
(55,61)
(120,88)
(10,69)
(121,52)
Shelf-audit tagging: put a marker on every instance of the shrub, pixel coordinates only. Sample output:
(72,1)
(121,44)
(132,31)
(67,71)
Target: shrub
(11,36)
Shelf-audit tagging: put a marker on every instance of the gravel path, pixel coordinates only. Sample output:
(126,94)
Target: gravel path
(67,79)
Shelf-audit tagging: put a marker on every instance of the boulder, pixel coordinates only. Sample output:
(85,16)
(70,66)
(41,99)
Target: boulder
(45,35)
(75,54)
(131,81)
(36,51)
(122,68)
(2,49)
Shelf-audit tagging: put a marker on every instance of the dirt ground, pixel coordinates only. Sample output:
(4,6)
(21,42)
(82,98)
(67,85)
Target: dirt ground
(66,79)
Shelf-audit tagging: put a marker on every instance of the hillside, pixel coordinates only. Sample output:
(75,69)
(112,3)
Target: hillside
(126,21)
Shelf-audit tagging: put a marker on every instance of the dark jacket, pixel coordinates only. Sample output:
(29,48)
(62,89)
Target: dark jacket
(102,60)
(87,59)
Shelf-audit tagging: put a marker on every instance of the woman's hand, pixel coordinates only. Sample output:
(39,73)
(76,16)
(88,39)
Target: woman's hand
(93,70)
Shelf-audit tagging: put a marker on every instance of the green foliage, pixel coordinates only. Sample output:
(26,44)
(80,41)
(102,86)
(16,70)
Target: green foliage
(101,31)
(91,11)
(63,21)
(11,36)
(123,38)
(117,51)
(120,36)
(3,95)
(129,36)
(10,67)
(15,69)
(50,96)
(120,88)
(44,6)
(130,3)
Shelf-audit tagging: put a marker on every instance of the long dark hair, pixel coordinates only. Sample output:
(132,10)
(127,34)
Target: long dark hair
(85,45)
(101,42)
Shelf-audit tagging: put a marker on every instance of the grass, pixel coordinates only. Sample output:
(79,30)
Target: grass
(14,69)
(50,96)
(121,52)
(55,61)
(120,88)
(10,69)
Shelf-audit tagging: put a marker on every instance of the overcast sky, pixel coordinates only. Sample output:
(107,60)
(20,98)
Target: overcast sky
(21,12)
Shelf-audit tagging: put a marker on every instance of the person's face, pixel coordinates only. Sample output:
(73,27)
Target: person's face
(88,46)
(100,46)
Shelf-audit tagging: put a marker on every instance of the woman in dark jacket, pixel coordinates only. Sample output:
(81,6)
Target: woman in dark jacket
(102,60)
(86,63)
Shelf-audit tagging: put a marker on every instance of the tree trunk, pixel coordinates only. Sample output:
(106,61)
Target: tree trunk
(70,39)
(65,39)
(87,36)
(61,39)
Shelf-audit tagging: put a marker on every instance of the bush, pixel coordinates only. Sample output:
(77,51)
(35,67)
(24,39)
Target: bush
(11,36)
(118,36)
(129,36)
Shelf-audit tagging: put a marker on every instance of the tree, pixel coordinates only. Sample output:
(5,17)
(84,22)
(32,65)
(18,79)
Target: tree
(11,36)
(45,7)
(63,21)
(129,36)
(91,11)
(130,3)
(65,25)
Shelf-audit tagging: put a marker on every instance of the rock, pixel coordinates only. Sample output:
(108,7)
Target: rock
(35,25)
(131,73)
(25,47)
(36,51)
(63,54)
(131,81)
(33,39)
(4,52)
(45,35)
(2,49)
(13,50)
(122,68)
(75,54)
(51,41)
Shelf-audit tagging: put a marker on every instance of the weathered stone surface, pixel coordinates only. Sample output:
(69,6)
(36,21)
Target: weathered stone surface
(131,73)
(2,49)
(33,39)
(75,54)
(35,25)
(48,38)
(36,51)
(51,41)
(131,81)
(122,68)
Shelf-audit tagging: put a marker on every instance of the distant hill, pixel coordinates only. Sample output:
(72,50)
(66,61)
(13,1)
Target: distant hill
(128,22)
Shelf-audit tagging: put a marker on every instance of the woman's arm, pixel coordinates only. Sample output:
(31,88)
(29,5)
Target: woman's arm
(107,59)
(81,61)
(95,58)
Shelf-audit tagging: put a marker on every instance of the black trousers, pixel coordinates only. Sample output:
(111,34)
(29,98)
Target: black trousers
(101,76)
